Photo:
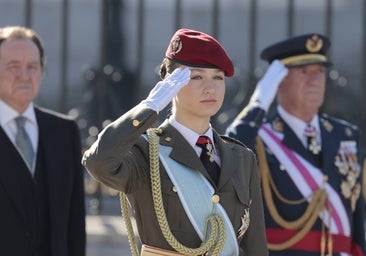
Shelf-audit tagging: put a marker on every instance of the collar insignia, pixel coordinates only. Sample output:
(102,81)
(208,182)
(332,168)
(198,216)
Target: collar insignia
(277,125)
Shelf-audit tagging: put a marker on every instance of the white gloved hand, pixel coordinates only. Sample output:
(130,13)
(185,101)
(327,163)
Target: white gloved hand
(267,86)
(164,91)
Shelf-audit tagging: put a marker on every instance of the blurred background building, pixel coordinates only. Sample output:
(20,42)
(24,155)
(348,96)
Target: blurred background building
(103,55)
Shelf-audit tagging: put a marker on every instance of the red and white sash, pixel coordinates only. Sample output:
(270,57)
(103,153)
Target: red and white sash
(308,178)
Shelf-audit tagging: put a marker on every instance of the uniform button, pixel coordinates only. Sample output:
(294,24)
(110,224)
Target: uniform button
(215,199)
(168,139)
(174,189)
(135,123)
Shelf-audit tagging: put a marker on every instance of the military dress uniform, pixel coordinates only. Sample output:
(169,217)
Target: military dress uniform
(120,159)
(333,133)
(124,157)
(313,202)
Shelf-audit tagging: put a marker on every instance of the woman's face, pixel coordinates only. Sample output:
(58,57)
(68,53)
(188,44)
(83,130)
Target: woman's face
(202,97)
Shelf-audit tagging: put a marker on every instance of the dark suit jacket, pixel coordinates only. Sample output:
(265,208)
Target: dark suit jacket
(333,131)
(60,142)
(119,159)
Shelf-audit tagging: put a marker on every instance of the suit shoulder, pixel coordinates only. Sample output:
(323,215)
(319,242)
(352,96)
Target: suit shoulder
(232,140)
(53,114)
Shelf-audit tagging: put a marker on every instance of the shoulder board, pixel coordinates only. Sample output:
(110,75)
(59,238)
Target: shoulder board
(338,121)
(230,139)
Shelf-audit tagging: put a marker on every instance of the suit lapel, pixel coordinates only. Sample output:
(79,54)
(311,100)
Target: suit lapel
(49,146)
(12,165)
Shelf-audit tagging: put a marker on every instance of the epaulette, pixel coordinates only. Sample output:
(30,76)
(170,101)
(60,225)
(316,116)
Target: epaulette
(338,120)
(230,139)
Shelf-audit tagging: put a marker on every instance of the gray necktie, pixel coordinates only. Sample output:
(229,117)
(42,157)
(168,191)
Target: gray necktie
(23,142)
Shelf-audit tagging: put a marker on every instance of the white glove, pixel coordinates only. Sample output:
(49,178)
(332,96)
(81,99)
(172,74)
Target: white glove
(164,91)
(267,86)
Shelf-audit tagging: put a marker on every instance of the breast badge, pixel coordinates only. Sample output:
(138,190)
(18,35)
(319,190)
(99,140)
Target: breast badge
(245,220)
(347,163)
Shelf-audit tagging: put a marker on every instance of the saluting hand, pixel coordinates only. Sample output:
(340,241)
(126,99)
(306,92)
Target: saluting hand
(267,86)
(165,90)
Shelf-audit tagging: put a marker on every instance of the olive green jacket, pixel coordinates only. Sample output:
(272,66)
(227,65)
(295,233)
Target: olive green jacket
(120,159)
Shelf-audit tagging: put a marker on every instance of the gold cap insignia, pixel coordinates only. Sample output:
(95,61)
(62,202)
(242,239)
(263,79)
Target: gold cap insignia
(314,44)
(176,45)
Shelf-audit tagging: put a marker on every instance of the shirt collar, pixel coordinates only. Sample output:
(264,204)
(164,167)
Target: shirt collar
(7,113)
(188,134)
(296,124)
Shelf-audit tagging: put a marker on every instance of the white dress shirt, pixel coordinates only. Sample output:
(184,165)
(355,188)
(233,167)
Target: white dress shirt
(298,125)
(192,137)
(7,122)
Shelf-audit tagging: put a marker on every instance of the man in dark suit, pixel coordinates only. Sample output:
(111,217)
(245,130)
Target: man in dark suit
(309,162)
(41,179)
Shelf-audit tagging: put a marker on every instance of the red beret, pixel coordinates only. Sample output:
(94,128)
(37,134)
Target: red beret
(197,49)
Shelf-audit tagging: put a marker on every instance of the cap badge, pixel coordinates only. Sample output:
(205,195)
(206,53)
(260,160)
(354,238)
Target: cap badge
(314,44)
(176,45)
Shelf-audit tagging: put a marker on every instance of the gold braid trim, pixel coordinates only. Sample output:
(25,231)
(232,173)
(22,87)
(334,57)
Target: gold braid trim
(128,224)
(305,222)
(215,240)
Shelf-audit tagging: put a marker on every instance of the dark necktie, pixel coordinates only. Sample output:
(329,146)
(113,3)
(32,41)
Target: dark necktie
(23,142)
(312,145)
(207,158)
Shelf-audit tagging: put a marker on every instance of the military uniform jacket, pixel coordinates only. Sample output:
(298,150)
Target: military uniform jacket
(119,159)
(333,132)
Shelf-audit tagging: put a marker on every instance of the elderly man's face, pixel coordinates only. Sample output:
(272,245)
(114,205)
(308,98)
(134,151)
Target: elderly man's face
(20,72)
(302,90)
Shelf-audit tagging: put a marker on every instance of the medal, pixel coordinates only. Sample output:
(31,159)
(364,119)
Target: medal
(209,148)
(347,163)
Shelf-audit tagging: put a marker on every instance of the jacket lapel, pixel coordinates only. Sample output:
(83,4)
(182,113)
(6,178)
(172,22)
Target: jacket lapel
(229,158)
(291,140)
(329,145)
(182,151)
(50,148)
(12,165)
